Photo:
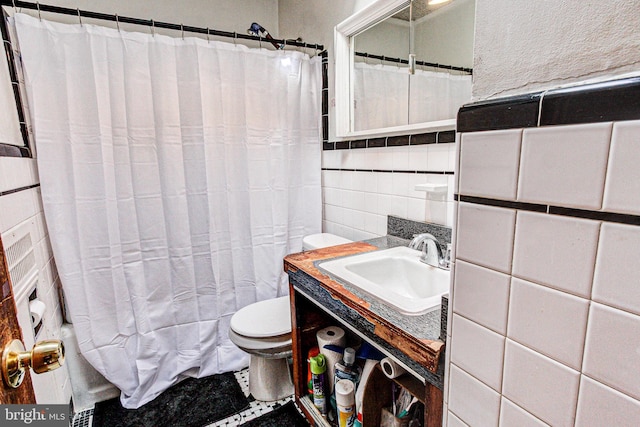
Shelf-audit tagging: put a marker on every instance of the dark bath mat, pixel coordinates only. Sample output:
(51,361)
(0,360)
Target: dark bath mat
(284,416)
(194,402)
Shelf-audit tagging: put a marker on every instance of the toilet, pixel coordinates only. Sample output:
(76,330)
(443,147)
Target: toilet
(263,329)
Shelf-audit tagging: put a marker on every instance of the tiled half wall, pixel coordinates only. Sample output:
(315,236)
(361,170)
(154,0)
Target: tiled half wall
(545,306)
(364,181)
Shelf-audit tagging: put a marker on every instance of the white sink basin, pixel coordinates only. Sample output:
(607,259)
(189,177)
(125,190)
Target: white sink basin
(394,276)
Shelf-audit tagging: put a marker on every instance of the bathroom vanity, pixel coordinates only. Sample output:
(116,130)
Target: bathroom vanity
(319,299)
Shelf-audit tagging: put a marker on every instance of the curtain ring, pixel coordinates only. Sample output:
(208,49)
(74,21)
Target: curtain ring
(153,28)
(208,35)
(182,31)
(15,10)
(38,6)
(284,44)
(117,22)
(79,17)
(235,39)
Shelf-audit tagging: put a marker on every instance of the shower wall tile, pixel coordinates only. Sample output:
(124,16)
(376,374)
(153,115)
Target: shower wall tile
(478,351)
(622,189)
(513,415)
(565,165)
(482,295)
(489,163)
(617,273)
(572,297)
(611,355)
(527,373)
(599,405)
(556,251)
(362,186)
(16,207)
(17,172)
(438,157)
(453,421)
(551,322)
(472,401)
(488,235)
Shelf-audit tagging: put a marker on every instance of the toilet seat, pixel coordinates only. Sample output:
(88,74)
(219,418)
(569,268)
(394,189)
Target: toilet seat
(265,319)
(267,347)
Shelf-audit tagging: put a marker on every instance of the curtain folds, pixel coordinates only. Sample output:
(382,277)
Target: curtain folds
(387,95)
(176,174)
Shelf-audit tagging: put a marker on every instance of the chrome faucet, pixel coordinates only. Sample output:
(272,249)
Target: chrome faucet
(432,253)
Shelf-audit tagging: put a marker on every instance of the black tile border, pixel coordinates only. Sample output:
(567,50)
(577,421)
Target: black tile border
(600,102)
(17,190)
(607,101)
(325,99)
(442,137)
(533,207)
(614,217)
(503,113)
(389,171)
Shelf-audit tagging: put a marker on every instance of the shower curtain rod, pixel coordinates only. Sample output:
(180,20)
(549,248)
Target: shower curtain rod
(404,61)
(154,24)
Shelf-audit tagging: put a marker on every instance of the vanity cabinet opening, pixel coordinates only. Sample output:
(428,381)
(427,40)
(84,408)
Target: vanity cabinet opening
(307,319)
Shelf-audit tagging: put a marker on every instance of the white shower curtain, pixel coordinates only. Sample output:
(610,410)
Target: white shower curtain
(387,95)
(176,174)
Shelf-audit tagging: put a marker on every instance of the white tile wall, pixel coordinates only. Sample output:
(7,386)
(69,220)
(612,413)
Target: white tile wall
(481,295)
(615,283)
(478,351)
(356,203)
(546,388)
(555,325)
(472,401)
(622,192)
(453,421)
(513,415)
(571,291)
(485,235)
(16,209)
(557,251)
(489,163)
(599,405)
(611,350)
(564,165)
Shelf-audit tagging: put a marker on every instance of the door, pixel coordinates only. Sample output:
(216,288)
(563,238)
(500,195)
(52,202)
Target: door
(10,330)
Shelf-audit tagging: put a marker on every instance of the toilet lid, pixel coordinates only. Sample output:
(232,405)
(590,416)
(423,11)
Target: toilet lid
(263,319)
(322,240)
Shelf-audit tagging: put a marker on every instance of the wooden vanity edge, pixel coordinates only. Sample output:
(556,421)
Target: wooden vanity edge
(423,351)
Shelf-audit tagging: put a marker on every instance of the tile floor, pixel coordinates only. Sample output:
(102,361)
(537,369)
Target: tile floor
(256,408)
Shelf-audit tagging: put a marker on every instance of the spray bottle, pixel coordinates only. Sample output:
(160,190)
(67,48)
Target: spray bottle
(347,369)
(318,366)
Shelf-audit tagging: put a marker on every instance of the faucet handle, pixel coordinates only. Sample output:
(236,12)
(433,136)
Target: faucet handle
(447,255)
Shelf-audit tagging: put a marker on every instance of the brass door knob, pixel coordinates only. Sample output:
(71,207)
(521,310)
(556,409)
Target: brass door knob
(44,357)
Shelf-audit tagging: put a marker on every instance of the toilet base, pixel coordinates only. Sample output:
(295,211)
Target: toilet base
(269,379)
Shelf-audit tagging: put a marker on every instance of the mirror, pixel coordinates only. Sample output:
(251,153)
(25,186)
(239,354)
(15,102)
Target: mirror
(403,66)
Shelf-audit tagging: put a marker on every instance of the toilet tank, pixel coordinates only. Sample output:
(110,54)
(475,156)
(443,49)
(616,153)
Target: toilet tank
(322,240)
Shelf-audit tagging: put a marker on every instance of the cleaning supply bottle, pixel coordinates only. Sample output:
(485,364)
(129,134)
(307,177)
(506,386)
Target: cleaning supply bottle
(313,352)
(318,366)
(346,403)
(347,369)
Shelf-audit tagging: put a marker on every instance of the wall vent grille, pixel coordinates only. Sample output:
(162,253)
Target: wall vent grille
(21,258)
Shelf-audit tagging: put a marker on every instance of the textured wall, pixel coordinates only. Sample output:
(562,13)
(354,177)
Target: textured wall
(524,46)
